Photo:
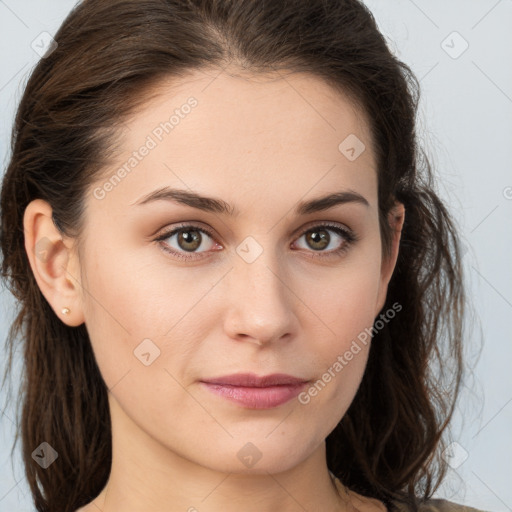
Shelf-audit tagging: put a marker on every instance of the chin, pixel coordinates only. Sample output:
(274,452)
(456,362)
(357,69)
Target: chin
(259,456)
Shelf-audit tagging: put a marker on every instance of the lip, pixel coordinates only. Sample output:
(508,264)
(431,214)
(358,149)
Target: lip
(255,392)
(255,381)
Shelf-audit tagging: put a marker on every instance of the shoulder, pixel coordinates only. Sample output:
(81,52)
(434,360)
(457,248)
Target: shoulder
(438,505)
(365,504)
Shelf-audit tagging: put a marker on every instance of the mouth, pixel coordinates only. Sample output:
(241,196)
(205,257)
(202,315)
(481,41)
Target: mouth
(252,391)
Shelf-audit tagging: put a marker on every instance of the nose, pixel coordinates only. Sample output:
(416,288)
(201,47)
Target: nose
(260,304)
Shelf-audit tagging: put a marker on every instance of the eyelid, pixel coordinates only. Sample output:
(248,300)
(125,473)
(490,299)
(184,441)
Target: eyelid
(350,236)
(204,227)
(170,231)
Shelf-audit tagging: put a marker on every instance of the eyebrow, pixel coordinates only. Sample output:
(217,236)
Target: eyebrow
(211,204)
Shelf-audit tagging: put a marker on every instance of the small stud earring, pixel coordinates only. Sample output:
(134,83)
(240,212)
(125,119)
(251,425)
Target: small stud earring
(66,311)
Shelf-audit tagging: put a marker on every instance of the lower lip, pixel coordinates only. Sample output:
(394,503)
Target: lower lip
(257,398)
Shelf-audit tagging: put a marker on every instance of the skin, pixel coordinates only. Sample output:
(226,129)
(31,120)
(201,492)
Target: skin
(262,144)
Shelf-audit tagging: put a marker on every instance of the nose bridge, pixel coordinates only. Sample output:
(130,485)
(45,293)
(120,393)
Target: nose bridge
(260,301)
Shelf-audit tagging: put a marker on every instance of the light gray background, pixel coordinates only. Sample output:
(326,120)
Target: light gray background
(466,125)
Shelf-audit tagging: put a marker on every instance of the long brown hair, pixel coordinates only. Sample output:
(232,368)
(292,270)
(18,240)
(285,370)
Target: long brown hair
(109,54)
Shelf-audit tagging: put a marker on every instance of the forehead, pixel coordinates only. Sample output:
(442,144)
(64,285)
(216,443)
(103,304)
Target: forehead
(243,135)
(299,104)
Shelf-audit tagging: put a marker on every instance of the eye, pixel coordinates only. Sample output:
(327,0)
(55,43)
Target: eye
(190,238)
(318,238)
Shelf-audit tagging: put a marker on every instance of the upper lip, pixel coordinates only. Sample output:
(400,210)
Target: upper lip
(256,381)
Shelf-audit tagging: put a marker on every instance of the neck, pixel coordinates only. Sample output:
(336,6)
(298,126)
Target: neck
(146,476)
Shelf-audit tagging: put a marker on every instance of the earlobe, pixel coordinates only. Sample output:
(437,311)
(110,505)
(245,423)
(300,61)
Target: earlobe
(396,219)
(53,263)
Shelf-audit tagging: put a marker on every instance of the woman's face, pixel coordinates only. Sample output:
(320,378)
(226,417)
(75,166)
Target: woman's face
(266,288)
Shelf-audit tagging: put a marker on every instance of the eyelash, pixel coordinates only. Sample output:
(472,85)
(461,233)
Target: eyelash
(350,239)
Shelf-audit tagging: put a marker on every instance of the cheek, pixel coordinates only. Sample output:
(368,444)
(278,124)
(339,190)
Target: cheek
(118,312)
(344,302)
(347,307)
(134,311)
(344,308)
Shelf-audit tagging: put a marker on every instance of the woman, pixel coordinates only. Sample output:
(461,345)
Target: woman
(233,269)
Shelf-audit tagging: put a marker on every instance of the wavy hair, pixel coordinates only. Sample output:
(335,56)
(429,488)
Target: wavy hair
(109,56)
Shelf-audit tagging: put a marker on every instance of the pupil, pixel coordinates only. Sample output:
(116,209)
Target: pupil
(322,239)
(195,240)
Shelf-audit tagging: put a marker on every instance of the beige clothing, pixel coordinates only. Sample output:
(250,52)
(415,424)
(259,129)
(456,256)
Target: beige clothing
(364,504)
(439,505)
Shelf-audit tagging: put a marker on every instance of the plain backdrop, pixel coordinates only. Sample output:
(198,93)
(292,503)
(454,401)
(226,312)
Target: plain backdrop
(461,51)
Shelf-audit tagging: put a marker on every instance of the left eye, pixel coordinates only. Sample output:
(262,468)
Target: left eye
(190,239)
(318,238)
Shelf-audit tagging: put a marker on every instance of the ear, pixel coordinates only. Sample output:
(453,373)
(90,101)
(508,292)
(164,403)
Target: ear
(396,219)
(53,262)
